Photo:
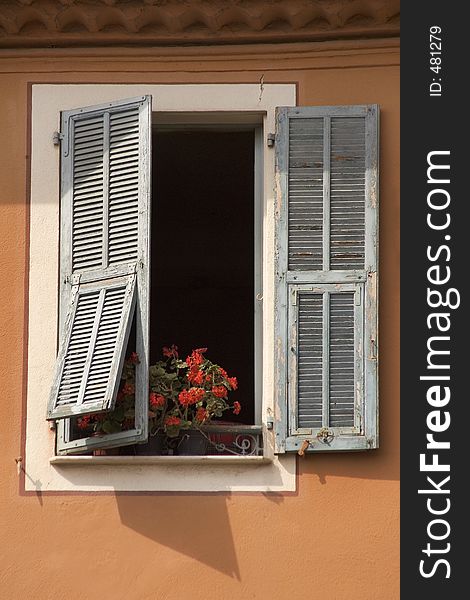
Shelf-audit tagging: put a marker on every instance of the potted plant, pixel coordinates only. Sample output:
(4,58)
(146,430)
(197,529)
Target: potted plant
(187,395)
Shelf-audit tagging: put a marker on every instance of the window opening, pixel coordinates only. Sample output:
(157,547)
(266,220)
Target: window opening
(202,257)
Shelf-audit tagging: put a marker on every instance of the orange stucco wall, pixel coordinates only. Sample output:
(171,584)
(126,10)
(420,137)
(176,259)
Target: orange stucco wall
(337,537)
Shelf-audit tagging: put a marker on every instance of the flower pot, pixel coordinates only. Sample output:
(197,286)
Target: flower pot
(155,446)
(106,452)
(192,443)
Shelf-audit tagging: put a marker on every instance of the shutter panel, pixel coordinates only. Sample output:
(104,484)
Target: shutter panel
(310,360)
(305,188)
(326,284)
(342,378)
(105,190)
(101,186)
(347,193)
(91,357)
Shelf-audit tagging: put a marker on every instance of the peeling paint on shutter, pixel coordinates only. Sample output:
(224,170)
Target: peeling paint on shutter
(326,277)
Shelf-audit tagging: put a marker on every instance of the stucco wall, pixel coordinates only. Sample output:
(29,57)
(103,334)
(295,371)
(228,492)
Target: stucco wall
(337,535)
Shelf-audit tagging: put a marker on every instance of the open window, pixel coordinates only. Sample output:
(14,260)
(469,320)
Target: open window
(161,242)
(181,250)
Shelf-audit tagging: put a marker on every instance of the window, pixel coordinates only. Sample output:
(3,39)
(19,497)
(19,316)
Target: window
(316,278)
(202,227)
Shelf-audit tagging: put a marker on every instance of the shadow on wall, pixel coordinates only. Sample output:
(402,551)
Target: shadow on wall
(195,525)
(381,464)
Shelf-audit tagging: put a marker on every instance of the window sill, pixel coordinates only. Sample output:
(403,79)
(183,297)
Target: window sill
(157,460)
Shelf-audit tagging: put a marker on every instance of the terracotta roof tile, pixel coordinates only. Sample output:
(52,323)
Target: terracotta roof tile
(61,23)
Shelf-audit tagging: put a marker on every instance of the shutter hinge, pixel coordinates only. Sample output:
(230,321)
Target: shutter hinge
(271,139)
(57,137)
(73,279)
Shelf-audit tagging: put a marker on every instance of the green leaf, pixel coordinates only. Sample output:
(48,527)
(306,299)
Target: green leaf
(110,427)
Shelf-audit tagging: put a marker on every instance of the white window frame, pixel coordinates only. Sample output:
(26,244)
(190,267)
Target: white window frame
(89,473)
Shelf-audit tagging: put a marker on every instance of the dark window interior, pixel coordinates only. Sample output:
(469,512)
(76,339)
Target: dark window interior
(202,292)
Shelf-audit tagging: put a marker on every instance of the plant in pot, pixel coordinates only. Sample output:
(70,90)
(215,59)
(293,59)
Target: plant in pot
(189,394)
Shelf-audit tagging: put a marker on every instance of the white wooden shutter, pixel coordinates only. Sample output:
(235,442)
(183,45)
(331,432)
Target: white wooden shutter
(105,216)
(326,278)
(92,353)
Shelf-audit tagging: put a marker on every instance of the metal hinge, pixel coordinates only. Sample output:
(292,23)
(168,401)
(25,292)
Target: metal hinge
(57,137)
(73,279)
(271,139)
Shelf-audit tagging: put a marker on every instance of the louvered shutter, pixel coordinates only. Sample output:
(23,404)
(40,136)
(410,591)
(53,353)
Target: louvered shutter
(326,278)
(105,174)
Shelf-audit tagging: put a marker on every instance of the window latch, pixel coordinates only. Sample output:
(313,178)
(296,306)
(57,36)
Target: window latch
(325,435)
(57,137)
(271,139)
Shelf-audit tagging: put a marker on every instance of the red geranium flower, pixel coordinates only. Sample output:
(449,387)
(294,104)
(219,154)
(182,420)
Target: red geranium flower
(171,352)
(156,400)
(219,391)
(83,422)
(195,359)
(171,420)
(201,414)
(236,408)
(195,376)
(134,358)
(128,389)
(233,382)
(192,396)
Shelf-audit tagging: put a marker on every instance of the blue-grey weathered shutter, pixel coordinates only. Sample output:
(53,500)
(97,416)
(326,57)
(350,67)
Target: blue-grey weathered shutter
(326,278)
(105,217)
